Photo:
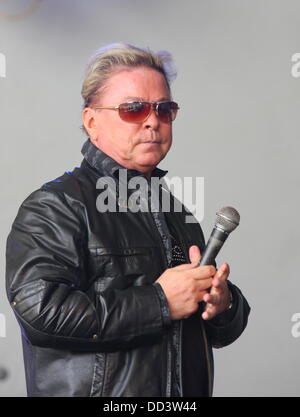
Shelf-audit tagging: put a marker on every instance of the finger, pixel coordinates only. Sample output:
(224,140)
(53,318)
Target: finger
(194,254)
(213,299)
(224,270)
(209,312)
(183,267)
(201,294)
(201,272)
(204,284)
(221,276)
(218,283)
(207,315)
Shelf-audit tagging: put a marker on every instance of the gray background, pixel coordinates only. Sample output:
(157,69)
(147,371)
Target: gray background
(238,127)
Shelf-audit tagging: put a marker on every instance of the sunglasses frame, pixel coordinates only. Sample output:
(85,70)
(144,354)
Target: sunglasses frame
(154,107)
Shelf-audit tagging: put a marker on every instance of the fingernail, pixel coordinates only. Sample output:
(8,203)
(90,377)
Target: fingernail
(222,269)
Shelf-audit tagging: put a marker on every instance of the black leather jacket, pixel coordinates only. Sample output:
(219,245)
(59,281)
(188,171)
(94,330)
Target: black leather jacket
(81,284)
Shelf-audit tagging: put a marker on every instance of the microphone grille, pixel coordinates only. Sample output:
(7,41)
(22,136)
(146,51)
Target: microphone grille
(228,219)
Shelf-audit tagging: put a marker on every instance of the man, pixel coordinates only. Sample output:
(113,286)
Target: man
(112,303)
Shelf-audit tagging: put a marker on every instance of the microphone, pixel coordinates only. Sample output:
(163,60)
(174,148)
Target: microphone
(227,220)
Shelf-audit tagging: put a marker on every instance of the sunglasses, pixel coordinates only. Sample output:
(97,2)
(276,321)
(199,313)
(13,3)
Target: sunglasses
(139,111)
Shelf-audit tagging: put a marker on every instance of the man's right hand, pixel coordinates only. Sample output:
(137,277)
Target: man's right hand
(184,287)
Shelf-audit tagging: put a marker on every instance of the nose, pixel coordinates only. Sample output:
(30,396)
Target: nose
(152,121)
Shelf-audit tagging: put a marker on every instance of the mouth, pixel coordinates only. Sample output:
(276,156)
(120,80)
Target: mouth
(151,142)
(151,145)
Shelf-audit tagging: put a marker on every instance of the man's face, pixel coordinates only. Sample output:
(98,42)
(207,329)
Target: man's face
(139,146)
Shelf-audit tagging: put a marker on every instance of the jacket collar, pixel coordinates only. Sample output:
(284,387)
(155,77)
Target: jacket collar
(104,164)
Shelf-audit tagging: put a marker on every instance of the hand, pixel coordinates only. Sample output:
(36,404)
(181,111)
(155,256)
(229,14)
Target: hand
(186,285)
(218,299)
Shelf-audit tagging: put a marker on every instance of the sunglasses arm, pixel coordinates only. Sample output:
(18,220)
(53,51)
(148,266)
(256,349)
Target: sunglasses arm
(107,107)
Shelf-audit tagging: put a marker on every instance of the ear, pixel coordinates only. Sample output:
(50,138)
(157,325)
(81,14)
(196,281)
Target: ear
(90,123)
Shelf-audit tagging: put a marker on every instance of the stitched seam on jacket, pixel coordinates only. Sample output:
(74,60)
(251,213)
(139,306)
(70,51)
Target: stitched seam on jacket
(100,359)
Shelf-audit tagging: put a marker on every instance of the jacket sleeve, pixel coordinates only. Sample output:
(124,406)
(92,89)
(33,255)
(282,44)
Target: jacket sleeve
(226,327)
(47,285)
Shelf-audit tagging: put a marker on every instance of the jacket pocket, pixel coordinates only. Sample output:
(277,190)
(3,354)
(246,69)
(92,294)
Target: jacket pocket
(120,268)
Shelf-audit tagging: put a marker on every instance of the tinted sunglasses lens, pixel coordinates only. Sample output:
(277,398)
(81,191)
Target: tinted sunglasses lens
(167,111)
(134,112)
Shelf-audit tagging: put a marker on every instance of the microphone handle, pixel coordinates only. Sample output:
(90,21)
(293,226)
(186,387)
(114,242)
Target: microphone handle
(214,244)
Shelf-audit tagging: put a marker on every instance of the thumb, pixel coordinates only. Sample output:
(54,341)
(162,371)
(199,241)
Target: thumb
(194,254)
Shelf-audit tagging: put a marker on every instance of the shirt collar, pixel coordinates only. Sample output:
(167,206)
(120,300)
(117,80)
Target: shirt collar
(104,164)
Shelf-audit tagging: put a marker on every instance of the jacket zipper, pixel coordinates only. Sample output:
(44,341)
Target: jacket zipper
(169,334)
(209,370)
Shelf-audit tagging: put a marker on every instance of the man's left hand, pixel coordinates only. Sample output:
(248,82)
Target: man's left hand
(218,299)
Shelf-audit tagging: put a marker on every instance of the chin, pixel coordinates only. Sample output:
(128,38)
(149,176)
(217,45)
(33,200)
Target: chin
(150,160)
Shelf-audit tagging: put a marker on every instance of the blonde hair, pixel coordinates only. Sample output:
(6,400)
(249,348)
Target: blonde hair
(114,57)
